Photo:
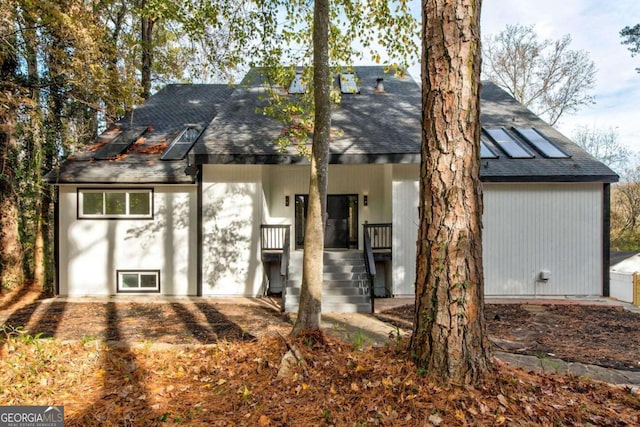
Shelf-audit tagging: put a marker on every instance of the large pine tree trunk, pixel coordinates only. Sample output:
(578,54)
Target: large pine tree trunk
(449,340)
(309,311)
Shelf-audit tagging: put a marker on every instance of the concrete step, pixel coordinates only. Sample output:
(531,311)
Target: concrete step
(337,308)
(332,299)
(333,284)
(350,290)
(296,273)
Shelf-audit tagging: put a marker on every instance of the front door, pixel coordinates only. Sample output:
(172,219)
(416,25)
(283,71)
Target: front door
(341,227)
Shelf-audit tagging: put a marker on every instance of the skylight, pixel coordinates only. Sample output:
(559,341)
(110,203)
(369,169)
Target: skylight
(182,144)
(485,151)
(541,143)
(297,85)
(119,144)
(508,144)
(348,83)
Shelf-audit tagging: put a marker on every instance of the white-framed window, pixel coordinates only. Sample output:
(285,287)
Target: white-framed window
(138,280)
(117,203)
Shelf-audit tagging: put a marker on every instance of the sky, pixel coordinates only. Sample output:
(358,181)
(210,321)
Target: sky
(594,27)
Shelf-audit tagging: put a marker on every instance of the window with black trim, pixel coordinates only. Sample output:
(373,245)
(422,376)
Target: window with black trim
(138,280)
(113,204)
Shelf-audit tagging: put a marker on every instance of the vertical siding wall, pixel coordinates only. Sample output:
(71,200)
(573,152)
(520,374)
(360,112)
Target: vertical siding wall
(92,250)
(533,227)
(372,180)
(527,228)
(405,229)
(232,211)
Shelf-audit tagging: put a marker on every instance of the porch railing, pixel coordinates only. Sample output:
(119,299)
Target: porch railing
(370,264)
(284,266)
(380,235)
(275,243)
(272,237)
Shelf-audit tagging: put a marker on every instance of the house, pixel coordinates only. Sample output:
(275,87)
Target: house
(192,197)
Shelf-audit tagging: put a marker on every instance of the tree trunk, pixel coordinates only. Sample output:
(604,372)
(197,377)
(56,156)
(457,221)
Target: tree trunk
(11,253)
(449,338)
(310,308)
(147,54)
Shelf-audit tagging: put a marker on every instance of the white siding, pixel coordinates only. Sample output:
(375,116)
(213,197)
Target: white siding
(92,250)
(527,228)
(281,181)
(533,227)
(232,211)
(405,229)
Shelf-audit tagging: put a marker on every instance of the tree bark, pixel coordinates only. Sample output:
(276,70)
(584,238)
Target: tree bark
(309,311)
(449,338)
(11,252)
(146,27)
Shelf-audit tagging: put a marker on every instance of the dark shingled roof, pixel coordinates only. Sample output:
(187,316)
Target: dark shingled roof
(499,109)
(370,127)
(165,115)
(386,128)
(374,127)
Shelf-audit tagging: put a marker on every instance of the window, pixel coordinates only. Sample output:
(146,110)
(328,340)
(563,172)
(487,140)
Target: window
(182,144)
(138,280)
(508,144)
(541,143)
(119,144)
(108,204)
(485,151)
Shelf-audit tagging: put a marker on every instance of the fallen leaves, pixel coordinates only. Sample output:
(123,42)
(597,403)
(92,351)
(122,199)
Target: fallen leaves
(233,381)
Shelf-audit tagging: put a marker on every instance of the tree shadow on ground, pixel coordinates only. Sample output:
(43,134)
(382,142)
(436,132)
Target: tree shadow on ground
(124,394)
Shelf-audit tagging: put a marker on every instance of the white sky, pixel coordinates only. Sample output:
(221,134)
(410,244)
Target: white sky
(594,26)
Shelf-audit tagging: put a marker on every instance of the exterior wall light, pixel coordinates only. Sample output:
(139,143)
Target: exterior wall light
(366,200)
(286,200)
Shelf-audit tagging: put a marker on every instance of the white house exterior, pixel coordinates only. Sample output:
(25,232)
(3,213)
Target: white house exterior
(545,211)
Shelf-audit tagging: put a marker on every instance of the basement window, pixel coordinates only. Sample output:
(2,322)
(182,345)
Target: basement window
(115,204)
(138,280)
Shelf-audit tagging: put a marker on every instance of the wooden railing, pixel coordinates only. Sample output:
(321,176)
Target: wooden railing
(273,237)
(380,235)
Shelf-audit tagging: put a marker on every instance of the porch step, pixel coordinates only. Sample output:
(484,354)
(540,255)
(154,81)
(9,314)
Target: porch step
(345,286)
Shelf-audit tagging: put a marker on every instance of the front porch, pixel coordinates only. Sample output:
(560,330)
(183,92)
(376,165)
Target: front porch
(350,283)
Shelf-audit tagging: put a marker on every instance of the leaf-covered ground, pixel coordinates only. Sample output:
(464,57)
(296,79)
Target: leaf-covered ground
(603,335)
(232,379)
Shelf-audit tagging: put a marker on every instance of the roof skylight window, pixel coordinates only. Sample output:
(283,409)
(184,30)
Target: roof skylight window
(297,85)
(119,144)
(485,151)
(508,144)
(348,83)
(182,144)
(541,143)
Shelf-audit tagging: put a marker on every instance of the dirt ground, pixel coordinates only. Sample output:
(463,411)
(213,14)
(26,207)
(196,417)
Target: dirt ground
(228,370)
(608,336)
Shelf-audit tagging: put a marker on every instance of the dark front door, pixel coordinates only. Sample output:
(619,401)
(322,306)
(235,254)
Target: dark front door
(341,227)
